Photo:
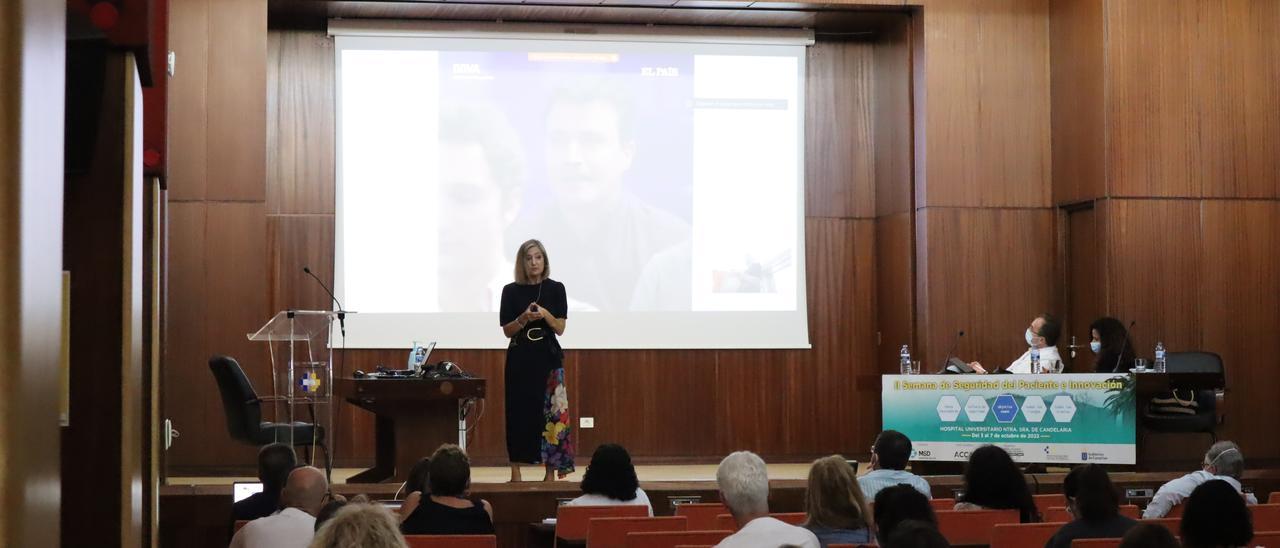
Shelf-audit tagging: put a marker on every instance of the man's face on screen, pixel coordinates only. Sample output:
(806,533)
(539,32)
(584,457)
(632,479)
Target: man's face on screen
(586,152)
(472,215)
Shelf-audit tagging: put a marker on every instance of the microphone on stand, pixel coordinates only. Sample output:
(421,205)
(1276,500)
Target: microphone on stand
(1123,344)
(342,316)
(951,352)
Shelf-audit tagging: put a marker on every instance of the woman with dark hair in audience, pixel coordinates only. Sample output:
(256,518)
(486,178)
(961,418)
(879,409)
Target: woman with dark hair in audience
(1107,339)
(1149,535)
(414,487)
(993,482)
(1216,516)
(447,510)
(836,510)
(897,504)
(610,479)
(1092,499)
(916,534)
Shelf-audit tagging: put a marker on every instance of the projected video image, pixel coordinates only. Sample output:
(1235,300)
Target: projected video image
(659,181)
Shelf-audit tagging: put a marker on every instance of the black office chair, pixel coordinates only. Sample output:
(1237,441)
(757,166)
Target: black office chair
(244,412)
(1205,419)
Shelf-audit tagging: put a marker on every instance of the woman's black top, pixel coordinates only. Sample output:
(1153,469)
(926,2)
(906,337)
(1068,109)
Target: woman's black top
(433,518)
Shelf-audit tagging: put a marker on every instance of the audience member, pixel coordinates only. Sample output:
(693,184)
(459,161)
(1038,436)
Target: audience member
(305,492)
(889,456)
(274,463)
(993,482)
(897,504)
(1092,499)
(447,510)
(336,502)
(1216,516)
(610,479)
(744,487)
(360,525)
(1149,535)
(836,510)
(916,534)
(1223,461)
(414,487)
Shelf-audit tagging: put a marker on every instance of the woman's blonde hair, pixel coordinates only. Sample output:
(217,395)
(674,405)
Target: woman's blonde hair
(360,526)
(522,276)
(833,498)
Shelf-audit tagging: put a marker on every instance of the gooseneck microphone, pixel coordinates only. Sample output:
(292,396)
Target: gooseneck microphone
(951,352)
(342,316)
(1123,344)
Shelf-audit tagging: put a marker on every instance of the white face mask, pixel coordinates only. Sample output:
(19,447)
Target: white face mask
(1029,337)
(1095,346)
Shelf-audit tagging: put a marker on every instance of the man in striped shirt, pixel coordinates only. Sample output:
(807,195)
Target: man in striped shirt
(889,456)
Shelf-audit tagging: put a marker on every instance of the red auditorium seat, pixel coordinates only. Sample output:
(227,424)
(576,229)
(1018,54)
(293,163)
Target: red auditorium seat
(1018,535)
(1051,500)
(451,541)
(972,526)
(1266,539)
(943,504)
(612,532)
(1266,517)
(572,521)
(671,539)
(1096,543)
(702,516)
(725,521)
(1171,524)
(1059,513)
(1274,498)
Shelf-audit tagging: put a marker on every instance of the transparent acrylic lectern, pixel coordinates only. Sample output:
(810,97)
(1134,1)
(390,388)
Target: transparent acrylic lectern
(302,364)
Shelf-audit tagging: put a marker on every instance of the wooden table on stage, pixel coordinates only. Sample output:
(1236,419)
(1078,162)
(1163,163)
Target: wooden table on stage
(413,417)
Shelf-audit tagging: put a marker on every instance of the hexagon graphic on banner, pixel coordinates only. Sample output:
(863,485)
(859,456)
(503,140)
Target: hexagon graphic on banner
(976,409)
(1063,408)
(948,408)
(1033,408)
(1005,408)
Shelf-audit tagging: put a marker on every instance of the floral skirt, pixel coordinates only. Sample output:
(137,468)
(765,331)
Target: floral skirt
(557,439)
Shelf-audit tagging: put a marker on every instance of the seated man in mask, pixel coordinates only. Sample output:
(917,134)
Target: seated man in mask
(1041,335)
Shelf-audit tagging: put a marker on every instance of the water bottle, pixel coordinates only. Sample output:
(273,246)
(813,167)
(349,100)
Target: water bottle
(1035,360)
(904,360)
(1159,364)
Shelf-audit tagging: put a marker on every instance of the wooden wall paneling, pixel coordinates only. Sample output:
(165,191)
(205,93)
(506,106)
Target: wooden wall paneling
(1151,123)
(1085,285)
(752,389)
(295,242)
(186,353)
(895,281)
(1237,99)
(1261,174)
(237,115)
(188,99)
(892,123)
(1076,68)
(986,127)
(989,272)
(1154,257)
(823,411)
(839,159)
(300,122)
(1240,303)
(32,110)
(657,404)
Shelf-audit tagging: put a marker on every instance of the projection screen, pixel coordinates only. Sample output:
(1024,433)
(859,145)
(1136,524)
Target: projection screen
(662,171)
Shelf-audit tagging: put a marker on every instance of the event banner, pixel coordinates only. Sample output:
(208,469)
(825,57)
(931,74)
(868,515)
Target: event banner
(1067,418)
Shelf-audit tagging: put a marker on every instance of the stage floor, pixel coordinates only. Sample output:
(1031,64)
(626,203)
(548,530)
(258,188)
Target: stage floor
(495,474)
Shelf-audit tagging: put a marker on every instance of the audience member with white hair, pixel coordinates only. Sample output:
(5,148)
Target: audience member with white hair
(305,493)
(744,488)
(1223,461)
(361,525)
